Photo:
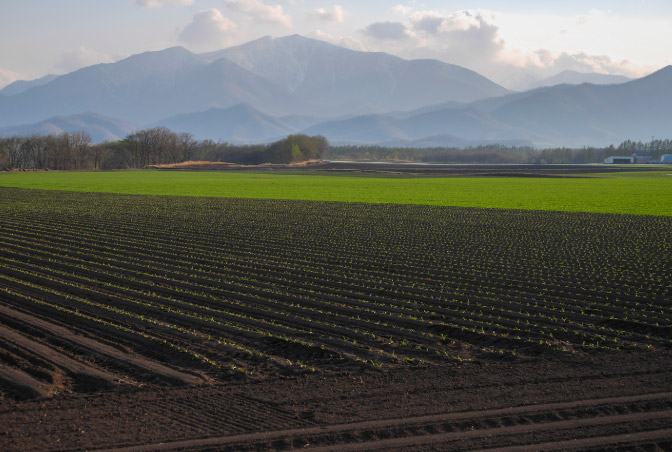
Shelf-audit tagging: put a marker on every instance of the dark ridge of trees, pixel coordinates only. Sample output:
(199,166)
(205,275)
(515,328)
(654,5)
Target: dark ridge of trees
(58,152)
(500,153)
(74,151)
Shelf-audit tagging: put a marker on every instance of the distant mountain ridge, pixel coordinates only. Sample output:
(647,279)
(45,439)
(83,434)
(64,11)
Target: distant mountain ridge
(320,72)
(562,115)
(577,78)
(150,86)
(21,86)
(239,124)
(268,88)
(147,87)
(100,128)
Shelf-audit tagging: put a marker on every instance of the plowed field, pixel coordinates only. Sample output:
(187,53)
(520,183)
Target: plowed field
(156,322)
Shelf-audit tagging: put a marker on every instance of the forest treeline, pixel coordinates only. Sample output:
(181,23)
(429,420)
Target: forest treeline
(74,151)
(501,154)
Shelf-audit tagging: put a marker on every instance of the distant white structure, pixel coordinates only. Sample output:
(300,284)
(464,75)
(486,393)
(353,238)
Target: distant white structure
(666,158)
(618,160)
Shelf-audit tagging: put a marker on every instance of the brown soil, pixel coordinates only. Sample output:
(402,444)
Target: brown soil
(158,323)
(605,402)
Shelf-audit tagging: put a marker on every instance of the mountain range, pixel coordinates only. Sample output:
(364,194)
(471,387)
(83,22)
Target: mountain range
(290,75)
(577,78)
(562,115)
(271,87)
(20,86)
(100,128)
(241,123)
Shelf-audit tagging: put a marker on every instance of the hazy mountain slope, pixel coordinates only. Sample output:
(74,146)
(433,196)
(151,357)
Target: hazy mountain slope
(451,141)
(99,127)
(464,124)
(576,78)
(133,88)
(286,76)
(224,84)
(563,115)
(302,79)
(300,122)
(360,130)
(147,87)
(21,86)
(593,114)
(515,78)
(239,124)
(327,74)
(467,123)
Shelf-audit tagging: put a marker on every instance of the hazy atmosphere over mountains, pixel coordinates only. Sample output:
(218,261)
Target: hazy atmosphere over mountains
(398,74)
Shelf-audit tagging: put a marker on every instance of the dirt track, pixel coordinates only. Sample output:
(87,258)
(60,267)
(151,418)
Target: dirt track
(594,402)
(449,428)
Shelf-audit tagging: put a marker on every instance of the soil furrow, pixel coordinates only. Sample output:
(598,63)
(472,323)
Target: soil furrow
(248,441)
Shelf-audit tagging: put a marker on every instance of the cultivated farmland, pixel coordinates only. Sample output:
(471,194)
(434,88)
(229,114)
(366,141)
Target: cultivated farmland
(576,188)
(132,296)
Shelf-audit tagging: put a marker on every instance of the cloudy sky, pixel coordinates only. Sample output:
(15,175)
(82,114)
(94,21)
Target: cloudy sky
(503,40)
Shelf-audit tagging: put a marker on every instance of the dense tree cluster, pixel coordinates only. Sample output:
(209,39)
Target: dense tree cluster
(654,147)
(74,151)
(294,148)
(501,154)
(478,154)
(59,152)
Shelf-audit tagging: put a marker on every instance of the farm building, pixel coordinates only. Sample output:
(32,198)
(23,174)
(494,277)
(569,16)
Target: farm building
(641,157)
(666,158)
(618,159)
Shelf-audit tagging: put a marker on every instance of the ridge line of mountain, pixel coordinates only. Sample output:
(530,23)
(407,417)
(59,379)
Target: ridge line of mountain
(296,84)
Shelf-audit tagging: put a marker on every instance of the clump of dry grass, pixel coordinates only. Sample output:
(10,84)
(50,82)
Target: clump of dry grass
(204,165)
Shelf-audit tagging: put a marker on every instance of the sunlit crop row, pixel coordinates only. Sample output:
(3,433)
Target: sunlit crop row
(257,286)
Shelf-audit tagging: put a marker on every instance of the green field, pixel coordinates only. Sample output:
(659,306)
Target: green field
(630,193)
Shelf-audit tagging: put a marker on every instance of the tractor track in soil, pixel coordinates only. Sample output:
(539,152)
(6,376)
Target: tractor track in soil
(453,430)
(467,407)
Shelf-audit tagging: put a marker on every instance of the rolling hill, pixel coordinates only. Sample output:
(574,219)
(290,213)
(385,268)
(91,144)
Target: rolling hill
(577,78)
(99,127)
(562,115)
(238,124)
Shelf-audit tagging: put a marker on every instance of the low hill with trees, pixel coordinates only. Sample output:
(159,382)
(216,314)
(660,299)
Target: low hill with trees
(161,146)
(156,146)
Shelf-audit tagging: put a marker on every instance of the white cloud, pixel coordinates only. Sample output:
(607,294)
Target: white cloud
(160,3)
(7,77)
(81,57)
(341,41)
(582,42)
(402,10)
(387,31)
(549,63)
(261,12)
(502,45)
(468,38)
(209,29)
(335,15)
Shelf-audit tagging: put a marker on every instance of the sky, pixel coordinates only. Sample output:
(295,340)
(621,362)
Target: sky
(505,40)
